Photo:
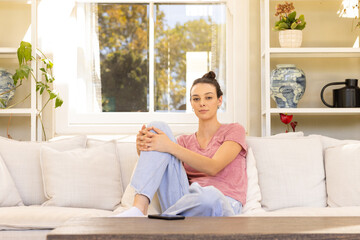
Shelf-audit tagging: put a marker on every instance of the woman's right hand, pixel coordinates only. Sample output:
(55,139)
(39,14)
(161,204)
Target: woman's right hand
(140,139)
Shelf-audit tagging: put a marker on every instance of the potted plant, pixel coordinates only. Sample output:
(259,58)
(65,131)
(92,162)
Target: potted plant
(43,85)
(289,27)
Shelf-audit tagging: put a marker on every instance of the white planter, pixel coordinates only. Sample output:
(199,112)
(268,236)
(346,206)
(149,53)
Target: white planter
(290,38)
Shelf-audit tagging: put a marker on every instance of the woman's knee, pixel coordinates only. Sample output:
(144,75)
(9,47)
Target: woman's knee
(159,124)
(163,126)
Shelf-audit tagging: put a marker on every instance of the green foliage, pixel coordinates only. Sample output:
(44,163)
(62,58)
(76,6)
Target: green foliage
(123,37)
(24,71)
(290,22)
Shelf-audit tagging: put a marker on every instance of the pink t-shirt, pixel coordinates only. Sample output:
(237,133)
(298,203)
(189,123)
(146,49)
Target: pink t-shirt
(232,180)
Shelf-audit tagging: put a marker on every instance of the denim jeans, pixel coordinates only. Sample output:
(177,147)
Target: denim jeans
(165,174)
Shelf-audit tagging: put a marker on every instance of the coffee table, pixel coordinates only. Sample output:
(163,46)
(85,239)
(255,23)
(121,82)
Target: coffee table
(210,228)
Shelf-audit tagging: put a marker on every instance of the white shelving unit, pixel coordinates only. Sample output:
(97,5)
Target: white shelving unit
(7,52)
(269,54)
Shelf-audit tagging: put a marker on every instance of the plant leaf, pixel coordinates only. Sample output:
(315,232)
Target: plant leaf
(292,16)
(302,18)
(25,49)
(52,95)
(283,26)
(294,25)
(301,26)
(58,102)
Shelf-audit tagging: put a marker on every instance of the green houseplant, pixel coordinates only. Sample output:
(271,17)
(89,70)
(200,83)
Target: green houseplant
(287,18)
(290,27)
(43,85)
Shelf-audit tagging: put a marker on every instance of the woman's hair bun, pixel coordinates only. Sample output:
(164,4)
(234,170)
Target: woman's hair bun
(210,75)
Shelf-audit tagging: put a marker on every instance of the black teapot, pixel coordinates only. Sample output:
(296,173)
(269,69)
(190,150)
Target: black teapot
(346,97)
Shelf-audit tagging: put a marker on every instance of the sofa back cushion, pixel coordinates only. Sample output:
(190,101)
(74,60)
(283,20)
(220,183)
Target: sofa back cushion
(87,178)
(291,172)
(127,156)
(22,159)
(253,194)
(9,195)
(342,164)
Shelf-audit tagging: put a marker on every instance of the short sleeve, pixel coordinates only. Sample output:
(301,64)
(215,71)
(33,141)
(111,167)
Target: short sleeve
(236,133)
(180,140)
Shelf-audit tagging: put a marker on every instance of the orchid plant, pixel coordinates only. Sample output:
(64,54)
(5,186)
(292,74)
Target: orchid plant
(287,18)
(287,120)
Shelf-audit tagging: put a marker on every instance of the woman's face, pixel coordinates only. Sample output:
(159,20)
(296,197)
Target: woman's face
(204,100)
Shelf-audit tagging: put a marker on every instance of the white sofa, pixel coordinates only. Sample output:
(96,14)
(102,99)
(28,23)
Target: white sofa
(42,185)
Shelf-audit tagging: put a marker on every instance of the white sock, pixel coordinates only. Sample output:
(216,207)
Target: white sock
(132,212)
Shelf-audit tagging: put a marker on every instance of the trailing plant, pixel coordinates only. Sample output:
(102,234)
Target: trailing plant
(287,18)
(24,71)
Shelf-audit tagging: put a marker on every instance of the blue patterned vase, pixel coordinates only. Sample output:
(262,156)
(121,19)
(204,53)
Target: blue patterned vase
(287,85)
(6,84)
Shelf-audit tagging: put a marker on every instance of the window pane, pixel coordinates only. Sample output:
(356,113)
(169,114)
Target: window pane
(189,41)
(124,57)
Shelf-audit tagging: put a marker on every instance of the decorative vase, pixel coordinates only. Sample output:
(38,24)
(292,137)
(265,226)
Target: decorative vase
(290,38)
(6,84)
(287,85)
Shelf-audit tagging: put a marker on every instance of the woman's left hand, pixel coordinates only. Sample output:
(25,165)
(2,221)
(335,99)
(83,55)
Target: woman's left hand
(158,141)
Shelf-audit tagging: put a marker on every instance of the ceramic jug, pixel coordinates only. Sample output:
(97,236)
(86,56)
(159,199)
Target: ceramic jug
(346,97)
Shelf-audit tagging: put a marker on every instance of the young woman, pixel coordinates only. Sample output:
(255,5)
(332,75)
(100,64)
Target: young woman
(202,174)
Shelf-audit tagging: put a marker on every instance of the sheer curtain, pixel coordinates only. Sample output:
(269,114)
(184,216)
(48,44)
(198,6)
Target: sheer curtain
(88,92)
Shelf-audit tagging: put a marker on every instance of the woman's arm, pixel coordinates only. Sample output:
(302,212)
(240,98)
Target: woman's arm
(211,166)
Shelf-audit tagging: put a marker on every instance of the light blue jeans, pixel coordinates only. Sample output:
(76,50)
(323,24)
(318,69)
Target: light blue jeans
(163,173)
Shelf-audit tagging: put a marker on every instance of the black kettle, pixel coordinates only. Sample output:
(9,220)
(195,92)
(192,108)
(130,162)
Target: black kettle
(346,97)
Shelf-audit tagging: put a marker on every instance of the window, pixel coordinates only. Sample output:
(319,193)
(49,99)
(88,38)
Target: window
(136,62)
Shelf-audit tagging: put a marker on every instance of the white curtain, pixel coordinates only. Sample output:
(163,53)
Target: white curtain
(88,76)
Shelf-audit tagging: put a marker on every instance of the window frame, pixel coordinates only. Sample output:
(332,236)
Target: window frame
(68,121)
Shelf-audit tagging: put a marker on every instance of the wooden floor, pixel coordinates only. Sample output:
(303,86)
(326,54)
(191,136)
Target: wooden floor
(210,228)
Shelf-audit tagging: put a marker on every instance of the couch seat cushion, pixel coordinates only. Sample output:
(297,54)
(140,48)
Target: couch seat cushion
(37,217)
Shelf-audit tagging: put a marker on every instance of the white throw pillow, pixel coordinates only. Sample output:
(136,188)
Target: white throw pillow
(22,159)
(342,165)
(87,178)
(9,195)
(127,156)
(253,195)
(290,171)
(288,135)
(332,142)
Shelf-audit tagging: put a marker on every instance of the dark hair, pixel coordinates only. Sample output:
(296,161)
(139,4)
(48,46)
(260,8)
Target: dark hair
(210,79)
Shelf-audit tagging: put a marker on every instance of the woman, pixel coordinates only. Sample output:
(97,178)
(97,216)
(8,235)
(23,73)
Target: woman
(203,174)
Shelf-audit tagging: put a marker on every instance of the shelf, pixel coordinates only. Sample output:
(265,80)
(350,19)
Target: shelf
(15,1)
(8,52)
(313,52)
(315,111)
(16,112)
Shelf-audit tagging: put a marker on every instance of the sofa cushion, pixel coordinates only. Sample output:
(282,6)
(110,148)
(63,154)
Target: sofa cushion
(9,195)
(332,142)
(38,217)
(291,173)
(253,195)
(308,212)
(22,159)
(342,165)
(127,156)
(88,178)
